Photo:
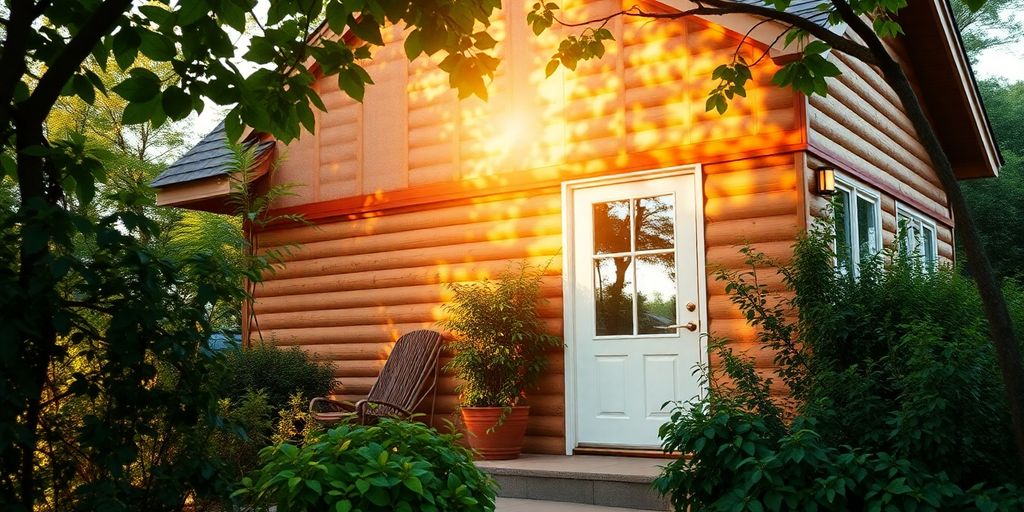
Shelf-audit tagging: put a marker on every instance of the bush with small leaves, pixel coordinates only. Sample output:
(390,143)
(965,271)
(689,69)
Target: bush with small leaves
(278,372)
(895,400)
(391,466)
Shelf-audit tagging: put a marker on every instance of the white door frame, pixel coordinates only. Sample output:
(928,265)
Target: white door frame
(569,273)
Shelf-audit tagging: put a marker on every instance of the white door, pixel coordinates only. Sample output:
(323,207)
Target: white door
(637,296)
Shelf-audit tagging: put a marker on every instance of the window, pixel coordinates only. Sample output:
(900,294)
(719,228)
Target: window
(917,236)
(858,218)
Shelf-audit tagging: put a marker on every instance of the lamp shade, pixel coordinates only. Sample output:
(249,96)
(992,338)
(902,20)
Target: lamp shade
(826,181)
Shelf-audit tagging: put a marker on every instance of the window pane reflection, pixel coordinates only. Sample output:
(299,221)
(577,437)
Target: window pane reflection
(613,290)
(867,228)
(611,227)
(655,221)
(844,247)
(656,292)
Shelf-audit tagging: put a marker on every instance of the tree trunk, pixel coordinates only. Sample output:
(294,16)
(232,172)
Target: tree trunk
(38,333)
(993,302)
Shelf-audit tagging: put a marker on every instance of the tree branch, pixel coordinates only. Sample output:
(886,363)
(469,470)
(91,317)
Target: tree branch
(12,58)
(724,7)
(103,20)
(866,33)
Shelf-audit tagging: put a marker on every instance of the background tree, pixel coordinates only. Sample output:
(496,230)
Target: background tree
(121,296)
(998,203)
(871,22)
(991,25)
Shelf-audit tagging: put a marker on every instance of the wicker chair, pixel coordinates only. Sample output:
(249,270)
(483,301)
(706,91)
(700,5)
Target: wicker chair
(408,377)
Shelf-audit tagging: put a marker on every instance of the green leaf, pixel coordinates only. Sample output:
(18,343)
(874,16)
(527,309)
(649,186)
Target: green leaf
(177,103)
(138,113)
(816,47)
(83,88)
(314,486)
(351,82)
(483,40)
(140,86)
(191,11)
(126,46)
(413,45)
(367,29)
(414,484)
(156,46)
(551,67)
(343,506)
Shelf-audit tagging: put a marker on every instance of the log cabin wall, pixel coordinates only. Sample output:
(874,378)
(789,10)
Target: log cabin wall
(414,188)
(862,129)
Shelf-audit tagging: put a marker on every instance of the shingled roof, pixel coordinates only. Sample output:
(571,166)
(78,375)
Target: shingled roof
(212,156)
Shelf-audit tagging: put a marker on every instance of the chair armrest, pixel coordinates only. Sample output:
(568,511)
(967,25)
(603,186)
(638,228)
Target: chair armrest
(331,405)
(361,406)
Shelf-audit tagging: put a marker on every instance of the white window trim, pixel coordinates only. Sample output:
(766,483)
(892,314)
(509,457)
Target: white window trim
(925,221)
(859,190)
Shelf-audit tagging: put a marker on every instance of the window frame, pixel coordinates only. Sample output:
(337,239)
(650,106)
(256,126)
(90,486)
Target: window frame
(929,261)
(857,190)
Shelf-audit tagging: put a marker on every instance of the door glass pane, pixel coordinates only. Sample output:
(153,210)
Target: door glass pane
(844,246)
(655,222)
(613,295)
(656,292)
(867,229)
(611,227)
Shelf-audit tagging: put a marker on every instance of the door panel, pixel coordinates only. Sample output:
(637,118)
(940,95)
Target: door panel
(635,268)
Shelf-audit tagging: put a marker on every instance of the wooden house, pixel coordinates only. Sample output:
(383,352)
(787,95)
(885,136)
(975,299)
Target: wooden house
(614,177)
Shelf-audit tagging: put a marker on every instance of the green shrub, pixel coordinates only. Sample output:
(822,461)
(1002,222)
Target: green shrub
(278,372)
(391,466)
(247,424)
(897,399)
(294,424)
(500,345)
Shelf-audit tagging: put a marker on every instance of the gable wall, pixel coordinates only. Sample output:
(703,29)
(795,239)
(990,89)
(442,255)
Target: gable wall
(642,105)
(861,129)
(431,192)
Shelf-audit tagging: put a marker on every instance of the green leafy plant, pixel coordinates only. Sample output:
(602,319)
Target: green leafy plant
(278,372)
(898,400)
(249,421)
(391,466)
(295,424)
(500,346)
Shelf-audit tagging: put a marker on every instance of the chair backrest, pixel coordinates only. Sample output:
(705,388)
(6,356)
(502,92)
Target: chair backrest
(410,371)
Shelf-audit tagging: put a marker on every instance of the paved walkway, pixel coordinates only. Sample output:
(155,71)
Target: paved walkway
(519,505)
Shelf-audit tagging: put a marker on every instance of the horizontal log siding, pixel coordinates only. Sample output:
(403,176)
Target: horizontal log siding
(643,102)
(346,290)
(752,202)
(350,286)
(863,125)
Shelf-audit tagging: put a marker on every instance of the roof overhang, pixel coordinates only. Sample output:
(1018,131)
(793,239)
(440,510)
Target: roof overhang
(937,60)
(948,89)
(213,193)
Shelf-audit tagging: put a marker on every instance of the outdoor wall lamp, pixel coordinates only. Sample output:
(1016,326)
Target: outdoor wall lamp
(825,185)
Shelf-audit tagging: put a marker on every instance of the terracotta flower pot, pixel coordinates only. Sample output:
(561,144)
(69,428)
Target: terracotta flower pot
(504,442)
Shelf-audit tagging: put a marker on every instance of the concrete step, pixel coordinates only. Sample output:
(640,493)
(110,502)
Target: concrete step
(623,482)
(522,505)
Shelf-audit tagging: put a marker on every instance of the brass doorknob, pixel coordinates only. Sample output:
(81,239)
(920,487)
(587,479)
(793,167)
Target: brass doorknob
(690,326)
(691,306)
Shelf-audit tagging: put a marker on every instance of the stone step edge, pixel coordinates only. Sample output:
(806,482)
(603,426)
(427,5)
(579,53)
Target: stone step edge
(570,475)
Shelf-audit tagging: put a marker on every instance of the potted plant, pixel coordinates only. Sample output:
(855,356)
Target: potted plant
(499,351)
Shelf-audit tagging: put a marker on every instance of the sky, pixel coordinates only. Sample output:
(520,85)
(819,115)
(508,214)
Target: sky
(1005,61)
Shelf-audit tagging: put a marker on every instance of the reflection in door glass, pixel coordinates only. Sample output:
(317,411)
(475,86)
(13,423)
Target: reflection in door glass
(613,295)
(611,227)
(655,222)
(656,293)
